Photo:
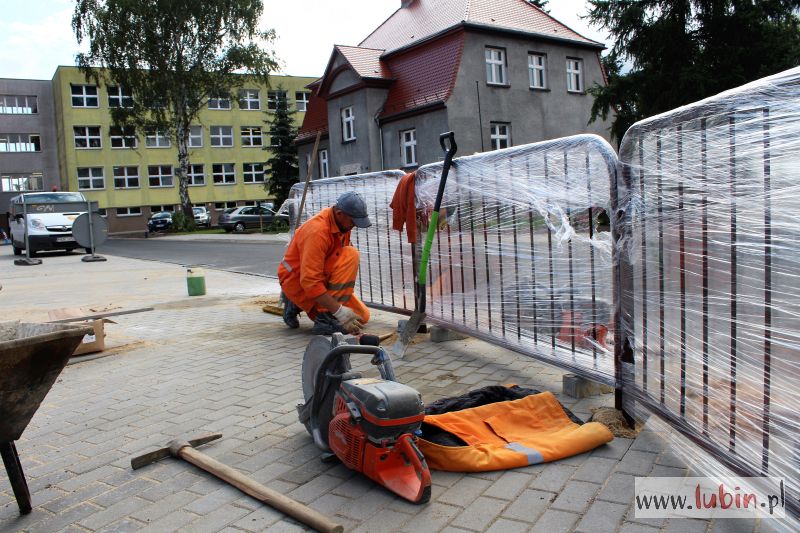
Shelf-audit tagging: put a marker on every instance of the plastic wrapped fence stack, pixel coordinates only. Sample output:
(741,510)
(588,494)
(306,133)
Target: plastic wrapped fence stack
(710,262)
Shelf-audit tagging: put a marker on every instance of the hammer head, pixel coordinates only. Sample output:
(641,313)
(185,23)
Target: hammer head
(172,449)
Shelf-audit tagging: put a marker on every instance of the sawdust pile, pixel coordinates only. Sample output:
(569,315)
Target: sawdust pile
(614,421)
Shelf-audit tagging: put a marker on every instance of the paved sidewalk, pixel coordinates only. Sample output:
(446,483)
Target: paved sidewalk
(218,363)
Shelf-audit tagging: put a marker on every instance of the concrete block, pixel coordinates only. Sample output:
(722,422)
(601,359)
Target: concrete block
(578,387)
(443,335)
(401,324)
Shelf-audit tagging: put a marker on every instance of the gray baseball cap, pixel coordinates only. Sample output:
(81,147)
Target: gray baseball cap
(354,205)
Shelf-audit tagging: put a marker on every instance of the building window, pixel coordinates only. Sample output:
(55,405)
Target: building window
(219,103)
(196,175)
(119,97)
(14,104)
(537,75)
(84,96)
(301,100)
(162,208)
(122,137)
(159,175)
(500,135)
(273,97)
(102,212)
(91,178)
(157,139)
(496,66)
(221,135)
(21,182)
(348,125)
(195,136)
(253,173)
(323,164)
(574,75)
(249,99)
(408,145)
(87,137)
(129,211)
(219,206)
(20,142)
(251,136)
(223,173)
(126,177)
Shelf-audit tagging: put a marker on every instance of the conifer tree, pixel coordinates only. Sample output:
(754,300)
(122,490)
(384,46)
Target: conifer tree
(281,170)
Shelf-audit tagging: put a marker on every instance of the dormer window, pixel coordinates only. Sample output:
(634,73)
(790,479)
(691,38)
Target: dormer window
(496,66)
(348,125)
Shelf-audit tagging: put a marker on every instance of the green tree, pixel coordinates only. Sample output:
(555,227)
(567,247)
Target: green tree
(541,4)
(172,56)
(680,51)
(282,168)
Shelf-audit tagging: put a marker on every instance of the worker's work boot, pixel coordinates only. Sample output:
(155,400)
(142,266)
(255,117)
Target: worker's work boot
(326,324)
(290,312)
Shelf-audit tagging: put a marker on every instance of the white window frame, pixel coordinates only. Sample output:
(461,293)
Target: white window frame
(408,147)
(574,75)
(162,174)
(195,136)
(129,211)
(537,70)
(122,137)
(19,104)
(273,97)
(250,99)
(91,135)
(219,104)
(20,142)
(252,136)
(253,172)
(301,99)
(223,173)
(348,124)
(323,164)
(124,178)
(94,177)
(196,175)
(118,97)
(496,73)
(85,94)
(21,182)
(157,139)
(500,133)
(219,135)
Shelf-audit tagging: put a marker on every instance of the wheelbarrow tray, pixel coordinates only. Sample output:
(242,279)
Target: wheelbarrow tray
(31,358)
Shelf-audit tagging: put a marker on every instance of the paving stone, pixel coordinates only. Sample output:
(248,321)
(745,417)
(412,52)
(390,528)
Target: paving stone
(648,441)
(314,488)
(529,505)
(170,504)
(464,491)
(637,463)
(553,477)
(121,526)
(217,519)
(554,521)
(508,526)
(111,514)
(383,521)
(613,450)
(368,504)
(509,485)
(210,502)
(632,527)
(431,517)
(595,469)
(652,522)
(478,514)
(734,525)
(686,525)
(576,496)
(619,488)
(602,517)
(259,519)
(174,521)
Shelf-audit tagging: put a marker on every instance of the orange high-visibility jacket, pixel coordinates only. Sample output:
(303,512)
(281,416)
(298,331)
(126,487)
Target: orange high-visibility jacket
(316,245)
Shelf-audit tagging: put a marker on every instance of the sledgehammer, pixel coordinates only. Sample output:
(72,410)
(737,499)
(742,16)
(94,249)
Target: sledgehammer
(184,449)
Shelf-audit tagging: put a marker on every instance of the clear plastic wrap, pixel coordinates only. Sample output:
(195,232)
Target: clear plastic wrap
(709,262)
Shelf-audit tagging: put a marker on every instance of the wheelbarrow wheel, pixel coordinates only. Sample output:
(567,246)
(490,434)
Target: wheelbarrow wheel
(16,476)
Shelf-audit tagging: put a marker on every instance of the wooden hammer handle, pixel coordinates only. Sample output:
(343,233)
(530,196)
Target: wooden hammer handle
(258,491)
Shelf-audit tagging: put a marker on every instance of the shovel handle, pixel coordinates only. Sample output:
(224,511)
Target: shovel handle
(258,491)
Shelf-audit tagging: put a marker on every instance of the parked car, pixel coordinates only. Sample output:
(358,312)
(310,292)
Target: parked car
(48,217)
(248,216)
(161,221)
(202,218)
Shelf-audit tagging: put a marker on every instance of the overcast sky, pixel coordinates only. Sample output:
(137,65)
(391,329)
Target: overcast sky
(36,35)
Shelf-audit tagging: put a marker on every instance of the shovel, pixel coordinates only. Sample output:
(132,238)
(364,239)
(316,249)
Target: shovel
(411,327)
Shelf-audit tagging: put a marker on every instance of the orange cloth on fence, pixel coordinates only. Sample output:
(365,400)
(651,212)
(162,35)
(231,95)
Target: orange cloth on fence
(404,207)
(511,434)
(321,259)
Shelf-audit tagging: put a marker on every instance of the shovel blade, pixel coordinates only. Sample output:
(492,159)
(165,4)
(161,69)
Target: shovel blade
(404,338)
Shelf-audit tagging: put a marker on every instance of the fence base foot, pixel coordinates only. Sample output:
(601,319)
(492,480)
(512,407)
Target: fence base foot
(443,335)
(578,387)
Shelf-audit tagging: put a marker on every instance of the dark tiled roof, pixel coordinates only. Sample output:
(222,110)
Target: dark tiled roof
(425,75)
(366,62)
(425,18)
(316,118)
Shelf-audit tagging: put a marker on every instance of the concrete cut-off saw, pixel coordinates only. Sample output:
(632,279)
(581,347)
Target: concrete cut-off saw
(369,424)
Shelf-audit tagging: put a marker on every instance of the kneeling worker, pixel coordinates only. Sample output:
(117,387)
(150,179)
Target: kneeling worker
(318,272)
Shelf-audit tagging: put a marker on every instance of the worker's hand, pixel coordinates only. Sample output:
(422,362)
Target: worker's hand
(349,319)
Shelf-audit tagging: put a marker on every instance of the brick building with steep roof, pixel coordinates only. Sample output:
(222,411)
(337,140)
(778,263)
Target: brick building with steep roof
(497,72)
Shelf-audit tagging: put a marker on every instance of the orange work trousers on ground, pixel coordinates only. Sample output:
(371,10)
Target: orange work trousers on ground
(340,275)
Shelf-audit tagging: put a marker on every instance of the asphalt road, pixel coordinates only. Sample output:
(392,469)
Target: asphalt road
(257,258)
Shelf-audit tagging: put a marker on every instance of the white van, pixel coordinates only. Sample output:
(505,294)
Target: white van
(49,220)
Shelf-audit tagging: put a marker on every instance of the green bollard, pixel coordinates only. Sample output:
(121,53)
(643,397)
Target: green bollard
(196,281)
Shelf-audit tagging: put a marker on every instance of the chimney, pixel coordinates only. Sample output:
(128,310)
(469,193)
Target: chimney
(406,3)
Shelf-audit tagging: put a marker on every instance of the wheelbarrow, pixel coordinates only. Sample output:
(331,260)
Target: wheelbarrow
(31,358)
